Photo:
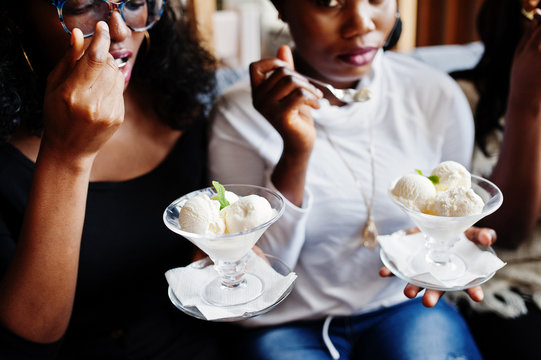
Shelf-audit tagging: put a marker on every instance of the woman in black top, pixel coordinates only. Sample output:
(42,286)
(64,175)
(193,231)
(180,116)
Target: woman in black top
(95,146)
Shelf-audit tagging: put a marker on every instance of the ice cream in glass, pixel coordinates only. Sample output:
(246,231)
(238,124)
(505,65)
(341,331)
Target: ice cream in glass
(443,204)
(226,222)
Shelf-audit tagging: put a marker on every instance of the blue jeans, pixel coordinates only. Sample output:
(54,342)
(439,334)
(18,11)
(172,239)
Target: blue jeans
(405,331)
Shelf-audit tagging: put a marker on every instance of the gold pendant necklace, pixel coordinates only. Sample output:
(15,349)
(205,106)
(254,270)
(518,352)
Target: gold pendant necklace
(370,232)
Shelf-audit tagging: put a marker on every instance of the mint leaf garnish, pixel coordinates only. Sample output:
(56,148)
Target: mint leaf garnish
(434,178)
(220,190)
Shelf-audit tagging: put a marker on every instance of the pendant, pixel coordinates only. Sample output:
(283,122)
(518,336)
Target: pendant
(370,233)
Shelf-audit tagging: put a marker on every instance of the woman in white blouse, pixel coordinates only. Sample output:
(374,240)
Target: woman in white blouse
(329,158)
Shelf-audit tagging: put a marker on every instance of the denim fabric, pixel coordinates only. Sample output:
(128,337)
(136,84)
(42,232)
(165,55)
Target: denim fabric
(405,331)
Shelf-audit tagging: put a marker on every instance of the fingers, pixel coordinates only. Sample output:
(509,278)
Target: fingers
(483,236)
(385,272)
(411,290)
(284,53)
(69,60)
(476,293)
(283,82)
(413,230)
(97,58)
(431,297)
(260,69)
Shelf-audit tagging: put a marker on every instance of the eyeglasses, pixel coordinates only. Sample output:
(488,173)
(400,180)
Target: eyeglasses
(139,15)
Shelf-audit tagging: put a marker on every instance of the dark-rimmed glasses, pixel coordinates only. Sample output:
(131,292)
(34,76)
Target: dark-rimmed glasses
(139,15)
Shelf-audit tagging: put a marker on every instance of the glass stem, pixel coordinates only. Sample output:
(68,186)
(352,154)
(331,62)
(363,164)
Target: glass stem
(231,272)
(438,251)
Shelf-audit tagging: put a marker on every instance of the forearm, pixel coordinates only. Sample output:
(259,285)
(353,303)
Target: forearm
(289,176)
(518,173)
(39,286)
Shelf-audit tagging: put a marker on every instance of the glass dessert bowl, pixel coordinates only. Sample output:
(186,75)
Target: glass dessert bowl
(442,232)
(230,251)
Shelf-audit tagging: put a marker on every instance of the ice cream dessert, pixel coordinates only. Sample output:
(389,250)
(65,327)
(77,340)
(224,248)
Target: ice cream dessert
(246,213)
(446,192)
(451,175)
(414,191)
(201,215)
(457,202)
(224,213)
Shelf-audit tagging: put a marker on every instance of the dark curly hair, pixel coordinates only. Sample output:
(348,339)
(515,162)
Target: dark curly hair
(175,70)
(499,27)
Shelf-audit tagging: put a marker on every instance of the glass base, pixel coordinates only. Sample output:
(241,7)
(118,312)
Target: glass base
(452,269)
(215,293)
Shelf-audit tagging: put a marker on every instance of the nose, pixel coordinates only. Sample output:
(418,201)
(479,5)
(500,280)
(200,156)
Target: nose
(359,20)
(117,27)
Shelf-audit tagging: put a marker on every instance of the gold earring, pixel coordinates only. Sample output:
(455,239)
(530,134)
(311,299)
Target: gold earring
(147,41)
(27,59)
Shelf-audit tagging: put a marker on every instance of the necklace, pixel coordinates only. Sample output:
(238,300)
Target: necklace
(370,231)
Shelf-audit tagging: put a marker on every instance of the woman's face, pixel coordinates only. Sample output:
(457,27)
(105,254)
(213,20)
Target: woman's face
(338,39)
(44,28)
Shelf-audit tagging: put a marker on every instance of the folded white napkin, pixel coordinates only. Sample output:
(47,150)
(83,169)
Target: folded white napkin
(188,282)
(400,248)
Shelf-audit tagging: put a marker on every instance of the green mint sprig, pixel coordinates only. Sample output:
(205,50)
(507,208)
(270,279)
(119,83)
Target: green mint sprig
(220,190)
(434,178)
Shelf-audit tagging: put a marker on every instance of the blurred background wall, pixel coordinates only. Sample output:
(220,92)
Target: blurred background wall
(241,31)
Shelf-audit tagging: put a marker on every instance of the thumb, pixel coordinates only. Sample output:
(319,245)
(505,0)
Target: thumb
(69,60)
(284,53)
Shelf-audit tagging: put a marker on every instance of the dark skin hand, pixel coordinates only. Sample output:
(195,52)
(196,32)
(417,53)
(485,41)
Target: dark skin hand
(284,97)
(483,236)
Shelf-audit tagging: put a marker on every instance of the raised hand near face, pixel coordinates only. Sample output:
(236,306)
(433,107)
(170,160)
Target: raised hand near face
(84,103)
(284,98)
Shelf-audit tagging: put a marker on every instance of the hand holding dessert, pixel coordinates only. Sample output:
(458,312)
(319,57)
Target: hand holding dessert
(446,192)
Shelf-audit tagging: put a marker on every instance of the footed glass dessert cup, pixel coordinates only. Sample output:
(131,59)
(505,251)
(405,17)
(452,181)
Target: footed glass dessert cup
(442,232)
(229,252)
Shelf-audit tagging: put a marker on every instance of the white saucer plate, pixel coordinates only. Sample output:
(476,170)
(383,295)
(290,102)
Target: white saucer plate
(435,286)
(278,265)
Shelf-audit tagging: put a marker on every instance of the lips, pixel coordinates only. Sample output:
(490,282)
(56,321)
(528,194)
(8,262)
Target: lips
(122,58)
(358,57)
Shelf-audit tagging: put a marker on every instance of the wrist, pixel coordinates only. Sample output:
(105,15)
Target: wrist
(65,161)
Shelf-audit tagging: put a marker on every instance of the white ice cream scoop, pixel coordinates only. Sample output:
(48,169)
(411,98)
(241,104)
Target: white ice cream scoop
(414,191)
(246,213)
(451,175)
(201,215)
(457,202)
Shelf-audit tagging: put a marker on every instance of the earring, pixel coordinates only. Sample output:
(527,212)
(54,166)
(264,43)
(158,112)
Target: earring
(27,59)
(147,41)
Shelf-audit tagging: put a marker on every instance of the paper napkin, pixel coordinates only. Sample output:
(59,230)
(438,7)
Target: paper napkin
(400,248)
(188,282)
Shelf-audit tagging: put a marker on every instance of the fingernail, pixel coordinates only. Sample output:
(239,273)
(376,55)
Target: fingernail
(479,294)
(493,236)
(103,26)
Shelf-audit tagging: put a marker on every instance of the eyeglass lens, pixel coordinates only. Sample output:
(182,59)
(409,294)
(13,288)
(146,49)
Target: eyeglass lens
(139,15)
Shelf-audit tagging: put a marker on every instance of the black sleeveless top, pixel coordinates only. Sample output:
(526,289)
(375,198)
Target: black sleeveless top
(121,307)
